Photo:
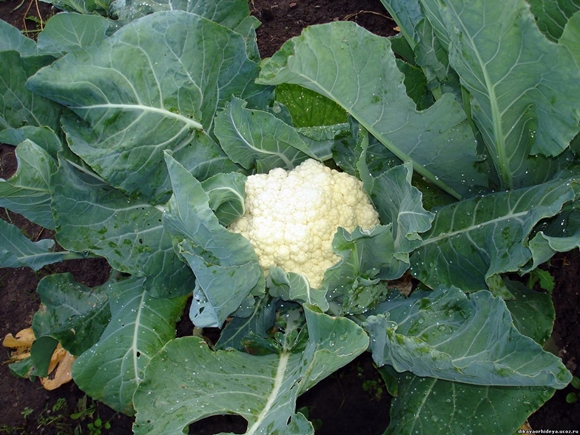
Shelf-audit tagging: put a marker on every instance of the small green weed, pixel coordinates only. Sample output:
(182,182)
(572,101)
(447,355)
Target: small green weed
(97,426)
(26,412)
(574,396)
(55,417)
(86,411)
(543,278)
(11,429)
(372,386)
(83,421)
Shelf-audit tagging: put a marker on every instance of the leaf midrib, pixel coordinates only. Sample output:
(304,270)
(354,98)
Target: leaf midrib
(474,226)
(499,138)
(278,380)
(168,114)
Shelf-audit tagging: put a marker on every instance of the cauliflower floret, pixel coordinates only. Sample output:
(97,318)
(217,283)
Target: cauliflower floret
(291,216)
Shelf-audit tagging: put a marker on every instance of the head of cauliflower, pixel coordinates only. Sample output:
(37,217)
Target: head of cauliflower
(291,216)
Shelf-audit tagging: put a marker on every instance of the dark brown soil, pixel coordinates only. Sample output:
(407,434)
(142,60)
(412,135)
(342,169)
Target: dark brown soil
(557,414)
(27,15)
(350,401)
(284,19)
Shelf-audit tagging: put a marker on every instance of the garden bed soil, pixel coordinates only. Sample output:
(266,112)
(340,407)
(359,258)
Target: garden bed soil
(351,400)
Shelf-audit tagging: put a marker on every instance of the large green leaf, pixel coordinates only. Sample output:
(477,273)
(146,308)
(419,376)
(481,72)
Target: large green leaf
(83,6)
(229,13)
(433,58)
(72,314)
(28,191)
(447,335)
(12,39)
(360,148)
(112,369)
(358,70)
(559,234)
(366,257)
(91,215)
(308,108)
(416,85)
(147,89)
(201,156)
(471,242)
(428,52)
(407,14)
(67,32)
(292,286)
(17,250)
(510,68)
(323,139)
(254,138)
(19,106)
(226,194)
(571,37)
(233,14)
(41,353)
(401,203)
(366,253)
(187,381)
(258,324)
(428,406)
(397,201)
(44,137)
(532,312)
(553,15)
(225,264)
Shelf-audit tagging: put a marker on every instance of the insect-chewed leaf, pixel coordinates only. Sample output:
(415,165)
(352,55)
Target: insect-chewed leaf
(187,381)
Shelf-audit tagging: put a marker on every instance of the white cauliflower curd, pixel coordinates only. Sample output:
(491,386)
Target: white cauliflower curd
(291,216)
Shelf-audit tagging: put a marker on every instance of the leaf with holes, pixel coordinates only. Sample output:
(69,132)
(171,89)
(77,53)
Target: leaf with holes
(140,325)
(146,89)
(187,381)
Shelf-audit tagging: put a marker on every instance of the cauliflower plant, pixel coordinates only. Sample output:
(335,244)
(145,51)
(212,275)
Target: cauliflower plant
(291,216)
